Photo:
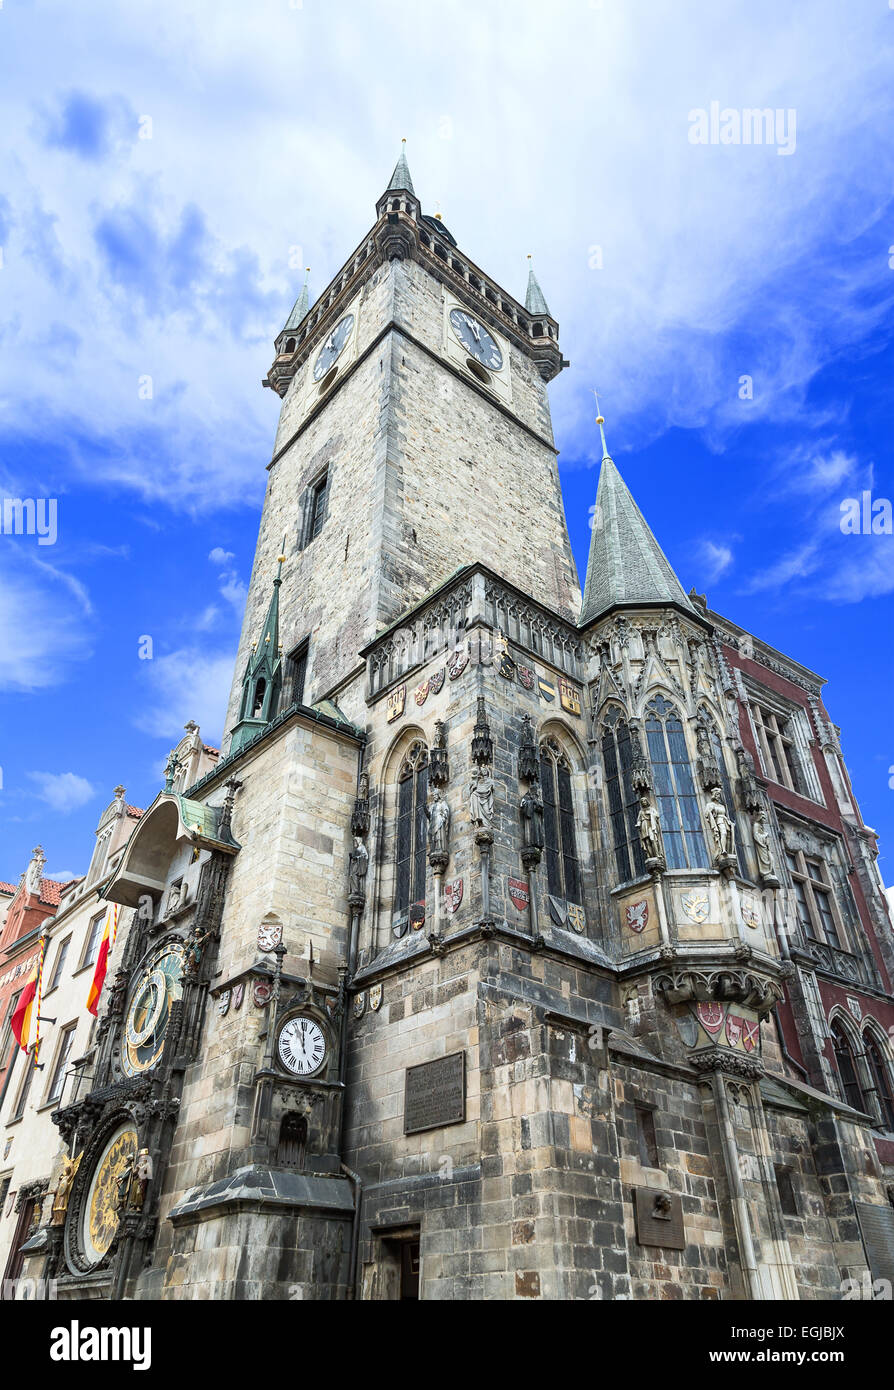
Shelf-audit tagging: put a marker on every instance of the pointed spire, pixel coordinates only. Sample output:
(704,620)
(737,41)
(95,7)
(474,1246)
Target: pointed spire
(401,176)
(534,300)
(626,565)
(300,307)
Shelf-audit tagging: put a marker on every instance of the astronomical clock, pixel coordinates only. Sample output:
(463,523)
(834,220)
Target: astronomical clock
(120,1130)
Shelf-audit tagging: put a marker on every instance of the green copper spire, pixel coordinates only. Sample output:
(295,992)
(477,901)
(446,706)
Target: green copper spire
(626,565)
(262,681)
(401,176)
(300,307)
(534,300)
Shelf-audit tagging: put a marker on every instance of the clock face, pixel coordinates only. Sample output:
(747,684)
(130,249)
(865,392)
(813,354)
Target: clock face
(333,346)
(476,340)
(146,1025)
(302,1046)
(99,1222)
(269,935)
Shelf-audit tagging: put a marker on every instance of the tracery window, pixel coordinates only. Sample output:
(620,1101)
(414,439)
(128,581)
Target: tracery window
(846,1063)
(675,794)
(412,825)
(813,896)
(623,803)
(881,1079)
(560,848)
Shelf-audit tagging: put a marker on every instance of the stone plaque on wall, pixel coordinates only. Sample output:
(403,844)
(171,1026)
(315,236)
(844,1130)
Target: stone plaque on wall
(659,1218)
(877,1228)
(435,1094)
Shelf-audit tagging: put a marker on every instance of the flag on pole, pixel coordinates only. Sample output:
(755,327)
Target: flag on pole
(24,1010)
(42,943)
(106,946)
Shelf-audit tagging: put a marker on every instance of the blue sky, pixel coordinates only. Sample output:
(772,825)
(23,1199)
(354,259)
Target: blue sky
(176,165)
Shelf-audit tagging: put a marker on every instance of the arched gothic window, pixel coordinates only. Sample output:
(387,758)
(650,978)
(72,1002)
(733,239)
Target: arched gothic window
(675,794)
(881,1079)
(623,802)
(716,743)
(562,866)
(412,825)
(846,1063)
(292,1141)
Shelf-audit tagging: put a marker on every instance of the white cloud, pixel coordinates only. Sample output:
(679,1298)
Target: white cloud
(219,556)
(714,559)
(178,257)
(41,632)
(187,684)
(63,791)
(61,875)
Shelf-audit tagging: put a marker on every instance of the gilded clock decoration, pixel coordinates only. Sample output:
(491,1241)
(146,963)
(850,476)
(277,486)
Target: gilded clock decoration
(104,1198)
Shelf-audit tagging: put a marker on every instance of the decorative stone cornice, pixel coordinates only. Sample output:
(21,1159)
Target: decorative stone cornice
(703,983)
(731,1063)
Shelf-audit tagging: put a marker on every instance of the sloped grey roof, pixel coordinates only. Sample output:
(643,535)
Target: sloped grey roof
(626,565)
(401,176)
(534,300)
(299,310)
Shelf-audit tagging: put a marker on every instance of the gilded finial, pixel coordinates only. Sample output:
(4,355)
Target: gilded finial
(600,420)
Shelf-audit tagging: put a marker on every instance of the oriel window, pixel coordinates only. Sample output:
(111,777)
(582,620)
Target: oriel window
(681,822)
(412,829)
(562,864)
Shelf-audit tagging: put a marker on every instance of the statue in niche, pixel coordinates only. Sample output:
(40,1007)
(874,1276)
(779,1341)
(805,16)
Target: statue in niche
(648,824)
(481,798)
(438,813)
(722,827)
(762,844)
(63,1188)
(358,869)
(531,810)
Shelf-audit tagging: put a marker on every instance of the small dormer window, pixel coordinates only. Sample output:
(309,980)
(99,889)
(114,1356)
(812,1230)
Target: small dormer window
(260,692)
(290,345)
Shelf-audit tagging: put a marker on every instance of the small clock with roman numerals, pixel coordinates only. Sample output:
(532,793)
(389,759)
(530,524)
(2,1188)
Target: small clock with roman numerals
(302,1045)
(476,340)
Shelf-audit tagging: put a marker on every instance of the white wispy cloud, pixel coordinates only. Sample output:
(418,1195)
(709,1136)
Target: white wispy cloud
(191,683)
(713,559)
(62,791)
(43,630)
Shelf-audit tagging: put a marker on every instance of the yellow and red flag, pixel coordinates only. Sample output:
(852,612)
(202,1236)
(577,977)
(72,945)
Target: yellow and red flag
(25,1010)
(110,931)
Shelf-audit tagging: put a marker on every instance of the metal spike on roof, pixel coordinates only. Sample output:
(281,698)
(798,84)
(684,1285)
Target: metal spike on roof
(299,308)
(626,564)
(534,300)
(401,176)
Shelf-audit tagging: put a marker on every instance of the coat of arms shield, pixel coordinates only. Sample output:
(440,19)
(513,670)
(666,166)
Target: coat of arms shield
(519,893)
(636,915)
(453,894)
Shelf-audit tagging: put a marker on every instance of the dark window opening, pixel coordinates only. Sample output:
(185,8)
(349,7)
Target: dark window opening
(847,1068)
(412,831)
(317,507)
(260,691)
(296,673)
(678,809)
(292,1144)
(623,803)
(881,1079)
(648,1144)
(786,1189)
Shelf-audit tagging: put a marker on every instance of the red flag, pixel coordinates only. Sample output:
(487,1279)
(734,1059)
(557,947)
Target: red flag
(102,963)
(21,1019)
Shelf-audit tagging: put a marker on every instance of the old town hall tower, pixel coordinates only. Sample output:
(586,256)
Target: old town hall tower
(523,942)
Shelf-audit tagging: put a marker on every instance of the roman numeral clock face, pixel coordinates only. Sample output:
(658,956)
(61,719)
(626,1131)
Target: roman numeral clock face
(333,347)
(476,340)
(302,1046)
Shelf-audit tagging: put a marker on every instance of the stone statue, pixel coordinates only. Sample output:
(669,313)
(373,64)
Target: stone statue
(63,1187)
(762,845)
(531,809)
(481,798)
(722,827)
(438,823)
(359,867)
(648,824)
(192,956)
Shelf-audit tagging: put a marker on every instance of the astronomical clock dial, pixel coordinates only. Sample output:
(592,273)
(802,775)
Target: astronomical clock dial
(145,1028)
(301,1045)
(99,1221)
(269,935)
(476,340)
(333,346)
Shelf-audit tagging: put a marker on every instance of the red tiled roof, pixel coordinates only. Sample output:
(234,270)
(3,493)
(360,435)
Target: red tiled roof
(206,748)
(8,887)
(135,811)
(51,891)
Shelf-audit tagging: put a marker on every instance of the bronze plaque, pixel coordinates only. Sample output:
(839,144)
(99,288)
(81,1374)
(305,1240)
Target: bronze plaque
(435,1094)
(659,1218)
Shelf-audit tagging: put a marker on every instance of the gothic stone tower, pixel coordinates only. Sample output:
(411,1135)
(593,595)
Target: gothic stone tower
(477,912)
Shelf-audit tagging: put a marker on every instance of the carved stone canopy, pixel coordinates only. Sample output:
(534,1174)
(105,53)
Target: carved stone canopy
(701,984)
